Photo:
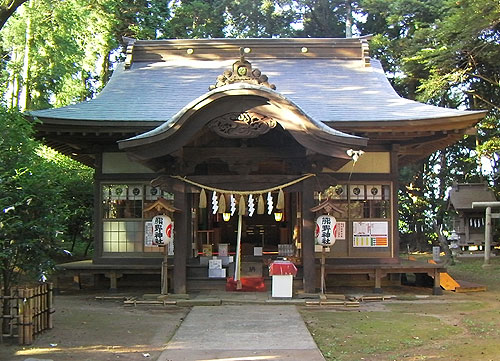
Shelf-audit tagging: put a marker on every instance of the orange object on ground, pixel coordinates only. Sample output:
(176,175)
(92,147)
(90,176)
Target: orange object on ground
(446,281)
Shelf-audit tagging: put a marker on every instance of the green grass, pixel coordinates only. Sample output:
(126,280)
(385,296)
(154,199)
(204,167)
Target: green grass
(470,269)
(350,336)
(455,326)
(436,308)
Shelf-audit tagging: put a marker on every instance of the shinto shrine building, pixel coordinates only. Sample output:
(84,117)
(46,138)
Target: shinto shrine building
(184,122)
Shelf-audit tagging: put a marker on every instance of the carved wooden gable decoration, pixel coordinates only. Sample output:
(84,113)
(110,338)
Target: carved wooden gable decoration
(245,124)
(242,72)
(242,125)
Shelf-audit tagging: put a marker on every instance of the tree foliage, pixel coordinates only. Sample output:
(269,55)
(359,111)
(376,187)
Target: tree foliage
(44,200)
(7,8)
(443,52)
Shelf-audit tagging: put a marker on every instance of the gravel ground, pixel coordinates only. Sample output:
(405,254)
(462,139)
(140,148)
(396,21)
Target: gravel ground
(86,329)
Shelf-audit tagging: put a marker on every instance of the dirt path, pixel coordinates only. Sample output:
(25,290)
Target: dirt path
(89,330)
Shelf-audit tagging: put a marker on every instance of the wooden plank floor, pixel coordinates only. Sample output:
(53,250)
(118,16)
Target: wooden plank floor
(466,286)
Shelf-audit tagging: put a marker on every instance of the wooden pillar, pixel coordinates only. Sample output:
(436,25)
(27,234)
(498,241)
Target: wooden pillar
(113,280)
(378,280)
(394,200)
(308,258)
(437,291)
(98,215)
(181,236)
(77,281)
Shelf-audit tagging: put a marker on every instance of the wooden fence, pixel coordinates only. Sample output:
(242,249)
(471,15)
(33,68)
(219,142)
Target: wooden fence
(26,312)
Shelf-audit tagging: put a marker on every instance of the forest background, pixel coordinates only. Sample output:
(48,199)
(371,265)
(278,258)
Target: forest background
(58,52)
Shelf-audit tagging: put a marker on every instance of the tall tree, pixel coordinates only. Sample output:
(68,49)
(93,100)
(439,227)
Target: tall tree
(39,197)
(259,19)
(57,52)
(197,19)
(29,204)
(440,52)
(462,65)
(324,18)
(7,8)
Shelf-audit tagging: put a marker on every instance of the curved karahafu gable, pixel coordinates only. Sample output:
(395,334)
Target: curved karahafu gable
(240,98)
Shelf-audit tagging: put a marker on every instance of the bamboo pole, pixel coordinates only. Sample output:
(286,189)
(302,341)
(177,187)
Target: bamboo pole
(36,310)
(49,305)
(13,310)
(43,310)
(44,306)
(2,315)
(30,310)
(20,320)
(29,318)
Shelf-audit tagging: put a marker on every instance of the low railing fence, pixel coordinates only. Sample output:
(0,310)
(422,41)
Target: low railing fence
(25,312)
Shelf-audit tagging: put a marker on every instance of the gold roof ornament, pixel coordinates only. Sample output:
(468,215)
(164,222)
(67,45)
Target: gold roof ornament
(242,72)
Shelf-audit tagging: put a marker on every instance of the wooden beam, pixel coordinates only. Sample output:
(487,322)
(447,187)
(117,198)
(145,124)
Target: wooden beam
(308,257)
(201,153)
(182,236)
(246,182)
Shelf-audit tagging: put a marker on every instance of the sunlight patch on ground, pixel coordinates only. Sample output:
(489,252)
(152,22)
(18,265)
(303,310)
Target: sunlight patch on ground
(244,358)
(89,349)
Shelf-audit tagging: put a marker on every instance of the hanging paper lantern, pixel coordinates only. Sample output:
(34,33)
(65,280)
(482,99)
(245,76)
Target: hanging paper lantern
(326,228)
(163,231)
(203,199)
(260,205)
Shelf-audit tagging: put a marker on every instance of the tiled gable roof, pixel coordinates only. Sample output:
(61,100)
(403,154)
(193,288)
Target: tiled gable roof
(326,90)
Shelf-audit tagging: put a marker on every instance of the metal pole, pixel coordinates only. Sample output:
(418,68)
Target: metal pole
(487,238)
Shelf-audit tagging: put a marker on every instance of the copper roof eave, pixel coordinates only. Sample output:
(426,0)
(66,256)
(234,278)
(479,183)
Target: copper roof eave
(464,121)
(96,123)
(312,134)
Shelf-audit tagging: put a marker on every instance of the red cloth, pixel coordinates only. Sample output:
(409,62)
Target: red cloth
(282,268)
(248,284)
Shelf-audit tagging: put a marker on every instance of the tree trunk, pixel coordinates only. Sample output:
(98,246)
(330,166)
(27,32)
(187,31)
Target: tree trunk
(444,245)
(348,19)
(73,242)
(8,8)
(88,247)
(25,99)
